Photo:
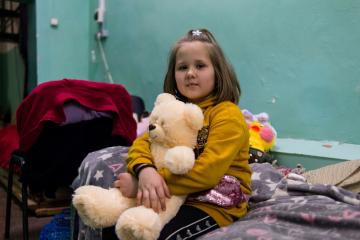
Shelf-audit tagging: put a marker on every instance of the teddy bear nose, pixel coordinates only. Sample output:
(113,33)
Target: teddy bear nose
(152,127)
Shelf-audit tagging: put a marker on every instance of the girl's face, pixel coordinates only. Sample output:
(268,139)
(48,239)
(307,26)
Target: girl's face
(194,71)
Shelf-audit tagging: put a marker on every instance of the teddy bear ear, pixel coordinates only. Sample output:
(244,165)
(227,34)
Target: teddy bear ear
(193,116)
(164,97)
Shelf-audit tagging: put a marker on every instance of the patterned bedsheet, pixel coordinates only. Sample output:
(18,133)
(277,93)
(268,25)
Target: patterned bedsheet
(281,207)
(287,207)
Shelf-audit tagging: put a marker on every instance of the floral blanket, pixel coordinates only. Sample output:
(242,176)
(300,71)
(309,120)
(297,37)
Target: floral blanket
(287,207)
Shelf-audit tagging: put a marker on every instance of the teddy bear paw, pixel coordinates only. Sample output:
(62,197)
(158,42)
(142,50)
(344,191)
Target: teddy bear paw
(98,207)
(179,159)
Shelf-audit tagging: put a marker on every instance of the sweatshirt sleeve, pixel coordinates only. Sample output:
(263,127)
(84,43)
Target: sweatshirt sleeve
(139,152)
(227,140)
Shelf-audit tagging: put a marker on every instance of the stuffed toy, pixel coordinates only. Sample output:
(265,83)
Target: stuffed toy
(173,130)
(262,137)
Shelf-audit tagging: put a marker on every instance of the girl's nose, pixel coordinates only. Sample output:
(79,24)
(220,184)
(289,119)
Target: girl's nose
(191,72)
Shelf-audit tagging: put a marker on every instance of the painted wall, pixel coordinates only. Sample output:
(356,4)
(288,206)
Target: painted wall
(297,60)
(62,51)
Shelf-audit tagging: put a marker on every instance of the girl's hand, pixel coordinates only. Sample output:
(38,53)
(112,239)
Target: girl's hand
(127,184)
(152,190)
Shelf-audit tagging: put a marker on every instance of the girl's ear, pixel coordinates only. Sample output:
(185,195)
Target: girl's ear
(193,116)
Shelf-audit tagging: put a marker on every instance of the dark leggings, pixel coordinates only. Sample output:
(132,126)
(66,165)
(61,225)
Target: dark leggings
(189,223)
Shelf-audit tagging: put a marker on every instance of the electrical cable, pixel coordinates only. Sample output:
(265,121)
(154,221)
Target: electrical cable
(104,60)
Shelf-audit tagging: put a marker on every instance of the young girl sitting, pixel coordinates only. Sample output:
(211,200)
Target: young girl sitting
(199,73)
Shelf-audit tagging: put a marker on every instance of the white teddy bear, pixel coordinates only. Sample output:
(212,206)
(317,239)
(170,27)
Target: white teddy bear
(173,130)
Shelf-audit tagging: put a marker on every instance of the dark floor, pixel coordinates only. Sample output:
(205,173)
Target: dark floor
(35,224)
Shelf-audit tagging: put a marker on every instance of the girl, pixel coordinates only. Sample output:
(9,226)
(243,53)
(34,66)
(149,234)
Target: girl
(199,73)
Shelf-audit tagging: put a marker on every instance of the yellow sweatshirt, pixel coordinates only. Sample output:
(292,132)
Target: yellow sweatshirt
(226,151)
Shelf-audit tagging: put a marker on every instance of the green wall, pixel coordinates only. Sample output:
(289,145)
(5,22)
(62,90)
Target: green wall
(297,60)
(62,51)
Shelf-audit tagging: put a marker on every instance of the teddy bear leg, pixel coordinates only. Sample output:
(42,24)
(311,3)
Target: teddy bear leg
(99,207)
(144,223)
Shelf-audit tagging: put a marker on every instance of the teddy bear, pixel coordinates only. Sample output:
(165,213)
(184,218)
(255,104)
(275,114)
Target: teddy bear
(173,131)
(262,137)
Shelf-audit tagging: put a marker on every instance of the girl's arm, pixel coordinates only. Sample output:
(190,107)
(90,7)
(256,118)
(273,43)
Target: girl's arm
(227,140)
(152,189)
(139,153)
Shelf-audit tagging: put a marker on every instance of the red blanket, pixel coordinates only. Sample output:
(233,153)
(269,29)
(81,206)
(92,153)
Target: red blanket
(9,141)
(45,103)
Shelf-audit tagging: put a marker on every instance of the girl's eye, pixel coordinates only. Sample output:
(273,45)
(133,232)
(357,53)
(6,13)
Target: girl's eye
(181,68)
(199,66)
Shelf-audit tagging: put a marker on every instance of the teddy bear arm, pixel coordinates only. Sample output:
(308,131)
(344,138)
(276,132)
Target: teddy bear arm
(179,159)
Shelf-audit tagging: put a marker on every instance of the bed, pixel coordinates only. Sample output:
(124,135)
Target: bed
(287,207)
(283,204)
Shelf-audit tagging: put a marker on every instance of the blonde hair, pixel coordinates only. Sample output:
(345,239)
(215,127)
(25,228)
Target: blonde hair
(227,87)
